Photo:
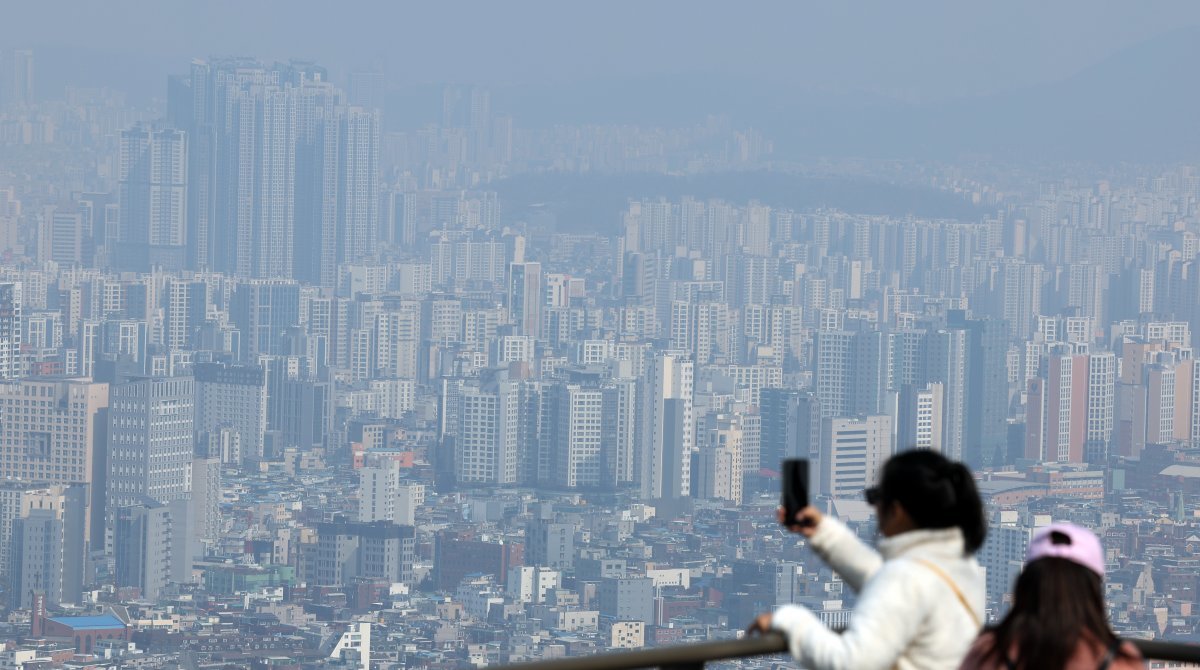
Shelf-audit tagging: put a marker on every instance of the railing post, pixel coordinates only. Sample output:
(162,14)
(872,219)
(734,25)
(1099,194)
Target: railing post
(699,665)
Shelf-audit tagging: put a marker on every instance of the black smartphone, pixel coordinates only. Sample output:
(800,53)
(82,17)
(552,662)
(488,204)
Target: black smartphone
(794,491)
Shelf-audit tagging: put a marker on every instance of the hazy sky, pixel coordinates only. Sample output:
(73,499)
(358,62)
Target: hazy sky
(912,50)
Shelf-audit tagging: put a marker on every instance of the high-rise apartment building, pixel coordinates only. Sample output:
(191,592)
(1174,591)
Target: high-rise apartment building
(986,429)
(1101,406)
(48,547)
(948,363)
(12,364)
(204,515)
(62,237)
(152,172)
(1003,553)
(151,440)
(246,120)
(262,310)
(966,358)
(52,431)
(705,329)
(1019,296)
(185,312)
(20,78)
(851,370)
(667,434)
(791,426)
(143,539)
(718,471)
(285,176)
(358,183)
(1070,410)
(619,430)
(300,403)
(1160,380)
(575,429)
(259,185)
(191,107)
(852,452)
(18,498)
(919,420)
(480,126)
(378,487)
(409,498)
(337,156)
(318,145)
(394,342)
(639,279)
(489,438)
(232,398)
(525,297)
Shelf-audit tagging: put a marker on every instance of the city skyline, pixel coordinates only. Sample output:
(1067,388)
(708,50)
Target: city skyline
(317,358)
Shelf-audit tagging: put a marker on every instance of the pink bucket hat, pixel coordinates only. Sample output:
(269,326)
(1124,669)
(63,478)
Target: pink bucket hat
(1066,540)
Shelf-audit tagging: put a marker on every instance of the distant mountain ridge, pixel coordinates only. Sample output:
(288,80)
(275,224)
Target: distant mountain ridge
(590,203)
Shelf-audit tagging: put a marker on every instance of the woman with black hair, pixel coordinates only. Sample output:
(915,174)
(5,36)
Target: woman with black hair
(1057,620)
(921,595)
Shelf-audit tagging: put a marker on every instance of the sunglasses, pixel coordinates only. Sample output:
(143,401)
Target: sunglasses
(873,495)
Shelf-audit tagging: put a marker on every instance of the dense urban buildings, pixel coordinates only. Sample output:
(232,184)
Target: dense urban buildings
(283,382)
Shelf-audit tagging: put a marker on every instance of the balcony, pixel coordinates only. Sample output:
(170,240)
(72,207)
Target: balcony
(694,656)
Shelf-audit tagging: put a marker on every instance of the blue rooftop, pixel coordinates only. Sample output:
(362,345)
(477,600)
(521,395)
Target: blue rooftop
(101,622)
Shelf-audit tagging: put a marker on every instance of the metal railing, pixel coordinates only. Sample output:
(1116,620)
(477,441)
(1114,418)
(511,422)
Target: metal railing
(694,656)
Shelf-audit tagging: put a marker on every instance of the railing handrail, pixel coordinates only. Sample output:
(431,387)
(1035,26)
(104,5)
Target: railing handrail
(1164,650)
(696,655)
(661,657)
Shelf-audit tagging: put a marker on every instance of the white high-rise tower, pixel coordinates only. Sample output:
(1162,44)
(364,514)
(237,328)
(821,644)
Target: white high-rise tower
(667,439)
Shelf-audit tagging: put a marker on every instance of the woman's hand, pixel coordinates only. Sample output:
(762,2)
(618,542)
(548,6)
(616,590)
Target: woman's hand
(760,625)
(805,523)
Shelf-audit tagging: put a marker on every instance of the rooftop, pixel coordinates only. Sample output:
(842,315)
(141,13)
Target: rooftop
(101,622)
(1181,470)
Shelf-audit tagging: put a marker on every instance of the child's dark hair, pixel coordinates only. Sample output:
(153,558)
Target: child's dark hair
(936,493)
(1057,604)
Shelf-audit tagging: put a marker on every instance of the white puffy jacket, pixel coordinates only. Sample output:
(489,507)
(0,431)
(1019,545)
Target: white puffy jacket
(908,615)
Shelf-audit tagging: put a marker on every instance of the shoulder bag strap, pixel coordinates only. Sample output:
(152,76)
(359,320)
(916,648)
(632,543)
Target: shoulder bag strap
(957,592)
